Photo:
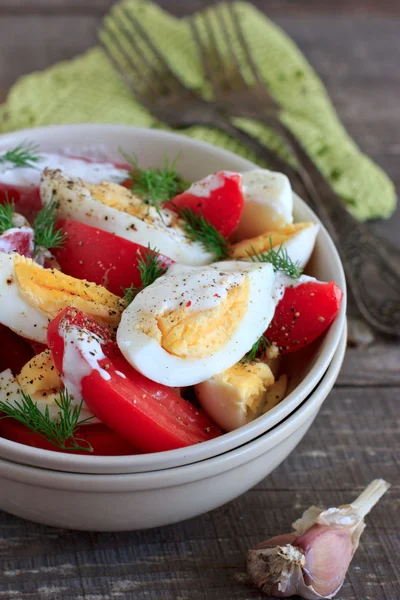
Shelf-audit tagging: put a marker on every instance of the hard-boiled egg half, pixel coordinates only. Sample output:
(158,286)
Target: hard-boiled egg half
(194,322)
(114,208)
(39,380)
(268,203)
(240,394)
(297,239)
(30,296)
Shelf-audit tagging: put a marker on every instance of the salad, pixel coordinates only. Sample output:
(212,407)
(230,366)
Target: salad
(140,312)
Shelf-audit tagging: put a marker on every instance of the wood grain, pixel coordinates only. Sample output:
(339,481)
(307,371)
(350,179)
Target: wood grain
(204,558)
(353,45)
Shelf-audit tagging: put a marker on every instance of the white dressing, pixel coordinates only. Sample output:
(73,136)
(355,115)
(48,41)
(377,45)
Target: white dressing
(95,172)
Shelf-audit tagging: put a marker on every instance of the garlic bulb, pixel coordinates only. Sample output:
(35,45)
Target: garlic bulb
(312,562)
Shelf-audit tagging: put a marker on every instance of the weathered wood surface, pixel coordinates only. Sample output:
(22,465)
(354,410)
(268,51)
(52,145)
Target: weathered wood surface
(354,46)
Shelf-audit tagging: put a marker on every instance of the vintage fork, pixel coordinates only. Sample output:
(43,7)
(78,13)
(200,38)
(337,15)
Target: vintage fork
(362,252)
(146,72)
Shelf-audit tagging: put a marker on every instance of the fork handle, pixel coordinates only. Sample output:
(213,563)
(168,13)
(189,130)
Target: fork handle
(366,257)
(273,160)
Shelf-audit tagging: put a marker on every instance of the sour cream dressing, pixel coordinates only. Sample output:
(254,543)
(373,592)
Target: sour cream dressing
(82,353)
(94,172)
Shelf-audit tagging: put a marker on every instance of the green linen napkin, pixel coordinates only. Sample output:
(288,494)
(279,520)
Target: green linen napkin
(87,89)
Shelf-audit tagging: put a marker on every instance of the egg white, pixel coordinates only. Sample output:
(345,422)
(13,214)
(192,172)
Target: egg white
(159,229)
(268,203)
(10,392)
(199,286)
(300,246)
(15,311)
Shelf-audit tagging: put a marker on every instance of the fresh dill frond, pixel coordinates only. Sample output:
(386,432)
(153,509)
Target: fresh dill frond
(198,229)
(150,269)
(6,213)
(24,155)
(60,432)
(257,349)
(154,185)
(46,234)
(279,259)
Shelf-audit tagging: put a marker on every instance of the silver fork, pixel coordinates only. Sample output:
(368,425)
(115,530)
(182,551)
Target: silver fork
(146,72)
(365,256)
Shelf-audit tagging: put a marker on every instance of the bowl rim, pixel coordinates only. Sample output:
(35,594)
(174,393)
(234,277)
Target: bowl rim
(165,478)
(182,456)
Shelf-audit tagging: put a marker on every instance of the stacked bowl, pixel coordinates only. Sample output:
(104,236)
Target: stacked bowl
(135,492)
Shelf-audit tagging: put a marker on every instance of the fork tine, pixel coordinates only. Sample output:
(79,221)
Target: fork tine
(219,10)
(122,72)
(173,80)
(219,66)
(238,28)
(204,56)
(133,65)
(149,71)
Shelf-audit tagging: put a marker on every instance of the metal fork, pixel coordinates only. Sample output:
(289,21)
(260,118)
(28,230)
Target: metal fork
(365,256)
(146,72)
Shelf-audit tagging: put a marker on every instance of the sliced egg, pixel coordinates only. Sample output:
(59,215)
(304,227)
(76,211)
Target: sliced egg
(114,208)
(194,322)
(268,203)
(236,396)
(39,380)
(297,239)
(30,296)
(275,393)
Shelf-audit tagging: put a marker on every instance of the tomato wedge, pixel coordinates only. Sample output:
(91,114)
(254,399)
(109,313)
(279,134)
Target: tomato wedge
(303,314)
(151,416)
(15,351)
(102,439)
(18,240)
(25,198)
(99,256)
(218,198)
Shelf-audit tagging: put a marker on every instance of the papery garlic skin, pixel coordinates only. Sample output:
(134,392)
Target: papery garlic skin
(313,561)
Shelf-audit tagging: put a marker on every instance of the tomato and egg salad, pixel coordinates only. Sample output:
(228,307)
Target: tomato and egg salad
(142,313)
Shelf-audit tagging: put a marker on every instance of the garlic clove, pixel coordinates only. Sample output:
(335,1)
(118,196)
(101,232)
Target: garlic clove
(313,562)
(278,540)
(277,570)
(319,545)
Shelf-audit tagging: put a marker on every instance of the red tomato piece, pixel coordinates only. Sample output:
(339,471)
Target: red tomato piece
(218,198)
(151,416)
(303,314)
(18,240)
(102,439)
(26,199)
(15,351)
(99,256)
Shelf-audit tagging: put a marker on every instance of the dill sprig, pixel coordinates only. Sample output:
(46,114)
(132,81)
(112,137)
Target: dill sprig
(154,185)
(279,259)
(60,432)
(46,234)
(150,269)
(198,229)
(6,213)
(257,349)
(24,155)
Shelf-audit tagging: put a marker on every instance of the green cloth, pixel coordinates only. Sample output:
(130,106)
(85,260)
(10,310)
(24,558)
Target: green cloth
(87,89)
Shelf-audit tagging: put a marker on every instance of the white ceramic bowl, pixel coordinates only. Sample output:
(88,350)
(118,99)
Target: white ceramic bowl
(143,500)
(197,159)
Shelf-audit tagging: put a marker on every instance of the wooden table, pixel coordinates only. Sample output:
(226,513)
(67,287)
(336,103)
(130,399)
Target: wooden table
(354,45)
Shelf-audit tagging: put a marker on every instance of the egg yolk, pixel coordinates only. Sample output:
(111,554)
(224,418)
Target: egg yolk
(118,197)
(39,376)
(249,381)
(50,290)
(188,333)
(265,241)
